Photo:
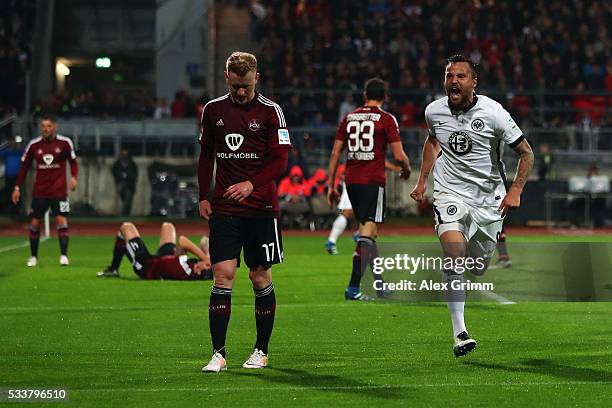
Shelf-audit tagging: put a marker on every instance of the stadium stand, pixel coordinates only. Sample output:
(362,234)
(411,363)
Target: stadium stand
(16,26)
(523,45)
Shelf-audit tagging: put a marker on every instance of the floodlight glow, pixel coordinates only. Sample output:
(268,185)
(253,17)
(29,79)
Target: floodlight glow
(103,62)
(62,69)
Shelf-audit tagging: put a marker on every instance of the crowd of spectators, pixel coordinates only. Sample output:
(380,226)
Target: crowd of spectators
(521,45)
(110,103)
(314,56)
(16,29)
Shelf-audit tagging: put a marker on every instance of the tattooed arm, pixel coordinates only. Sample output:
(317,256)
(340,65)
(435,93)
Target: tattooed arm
(513,197)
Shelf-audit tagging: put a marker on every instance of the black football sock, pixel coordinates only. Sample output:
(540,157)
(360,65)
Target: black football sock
(364,255)
(265,308)
(118,252)
(62,234)
(502,249)
(356,273)
(368,253)
(34,240)
(219,310)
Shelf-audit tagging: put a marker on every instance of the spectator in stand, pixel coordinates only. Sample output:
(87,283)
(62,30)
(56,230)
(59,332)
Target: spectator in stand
(347,106)
(179,105)
(125,173)
(162,110)
(11,158)
(545,163)
(317,183)
(294,188)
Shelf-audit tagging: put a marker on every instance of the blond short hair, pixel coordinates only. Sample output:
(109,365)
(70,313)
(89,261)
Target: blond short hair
(241,63)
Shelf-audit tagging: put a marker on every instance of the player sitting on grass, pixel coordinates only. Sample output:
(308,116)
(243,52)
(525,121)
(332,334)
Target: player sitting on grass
(170,261)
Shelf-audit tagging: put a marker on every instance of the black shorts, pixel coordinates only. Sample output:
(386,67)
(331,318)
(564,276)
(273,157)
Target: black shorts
(140,257)
(368,201)
(59,206)
(259,237)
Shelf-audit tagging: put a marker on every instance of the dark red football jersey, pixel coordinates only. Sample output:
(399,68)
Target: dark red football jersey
(175,267)
(240,138)
(50,157)
(366,132)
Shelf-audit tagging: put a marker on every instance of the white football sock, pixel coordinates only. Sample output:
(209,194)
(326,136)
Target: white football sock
(455,300)
(337,228)
(456,312)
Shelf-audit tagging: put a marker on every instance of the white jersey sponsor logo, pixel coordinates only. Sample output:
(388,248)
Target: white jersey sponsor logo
(234,141)
(47,158)
(239,155)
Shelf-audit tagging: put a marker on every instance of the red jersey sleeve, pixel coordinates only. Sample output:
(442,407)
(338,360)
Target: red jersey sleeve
(71,157)
(26,162)
(277,156)
(206,162)
(392,129)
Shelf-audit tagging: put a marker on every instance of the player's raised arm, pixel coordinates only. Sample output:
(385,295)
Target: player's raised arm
(525,164)
(332,194)
(430,152)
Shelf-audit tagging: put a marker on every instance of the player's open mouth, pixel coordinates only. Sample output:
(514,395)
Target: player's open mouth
(454,90)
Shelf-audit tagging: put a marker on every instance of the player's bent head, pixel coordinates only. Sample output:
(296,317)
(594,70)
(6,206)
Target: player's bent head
(241,76)
(462,58)
(375,90)
(241,63)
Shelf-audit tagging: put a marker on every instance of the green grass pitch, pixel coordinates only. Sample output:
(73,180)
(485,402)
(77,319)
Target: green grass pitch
(131,343)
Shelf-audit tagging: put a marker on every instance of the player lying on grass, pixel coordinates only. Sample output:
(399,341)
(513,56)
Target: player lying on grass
(170,261)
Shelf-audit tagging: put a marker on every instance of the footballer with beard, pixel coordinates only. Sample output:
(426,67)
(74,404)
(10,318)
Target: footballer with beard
(467,134)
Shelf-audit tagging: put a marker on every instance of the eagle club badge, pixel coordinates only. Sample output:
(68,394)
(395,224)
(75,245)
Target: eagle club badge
(47,158)
(254,125)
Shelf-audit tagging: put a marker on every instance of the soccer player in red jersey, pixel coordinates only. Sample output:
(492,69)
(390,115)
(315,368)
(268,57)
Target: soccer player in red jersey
(246,135)
(169,262)
(366,132)
(50,151)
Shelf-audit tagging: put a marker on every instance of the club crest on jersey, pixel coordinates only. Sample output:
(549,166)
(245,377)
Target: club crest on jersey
(451,210)
(47,158)
(460,143)
(234,141)
(477,125)
(254,125)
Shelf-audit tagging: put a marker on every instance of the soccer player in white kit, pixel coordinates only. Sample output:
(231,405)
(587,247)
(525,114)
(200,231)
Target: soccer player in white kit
(467,133)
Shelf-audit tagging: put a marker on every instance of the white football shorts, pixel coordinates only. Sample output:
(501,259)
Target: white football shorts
(344,203)
(480,225)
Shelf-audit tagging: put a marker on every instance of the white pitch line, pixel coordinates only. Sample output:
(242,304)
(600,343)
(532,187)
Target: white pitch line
(344,387)
(498,298)
(21,245)
(139,308)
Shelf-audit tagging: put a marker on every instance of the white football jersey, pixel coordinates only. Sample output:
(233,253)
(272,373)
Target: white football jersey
(470,164)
